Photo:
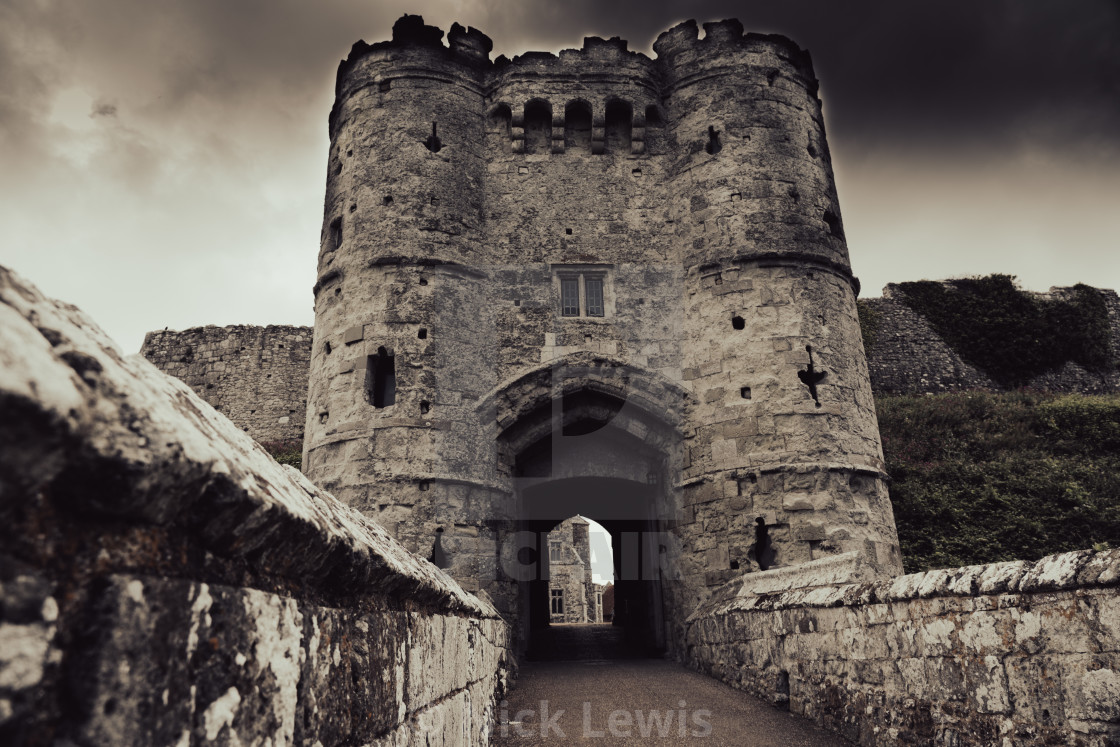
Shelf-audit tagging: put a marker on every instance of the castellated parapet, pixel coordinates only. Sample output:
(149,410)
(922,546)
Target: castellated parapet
(593,283)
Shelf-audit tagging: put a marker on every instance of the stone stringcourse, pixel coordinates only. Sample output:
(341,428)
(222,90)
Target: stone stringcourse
(165,581)
(1006,653)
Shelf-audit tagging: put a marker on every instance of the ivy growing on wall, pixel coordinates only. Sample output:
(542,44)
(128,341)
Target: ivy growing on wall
(869,322)
(1012,335)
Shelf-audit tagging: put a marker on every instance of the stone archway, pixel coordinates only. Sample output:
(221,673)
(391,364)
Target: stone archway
(593,436)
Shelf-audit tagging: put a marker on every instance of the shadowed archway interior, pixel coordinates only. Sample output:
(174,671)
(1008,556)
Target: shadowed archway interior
(590,457)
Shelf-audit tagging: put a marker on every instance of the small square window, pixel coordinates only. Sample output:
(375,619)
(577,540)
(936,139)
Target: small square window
(583,290)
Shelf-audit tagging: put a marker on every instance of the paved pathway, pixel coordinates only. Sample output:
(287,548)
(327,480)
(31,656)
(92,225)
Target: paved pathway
(608,700)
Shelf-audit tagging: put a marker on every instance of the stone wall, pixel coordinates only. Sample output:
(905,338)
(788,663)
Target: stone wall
(909,357)
(164,581)
(255,376)
(1008,653)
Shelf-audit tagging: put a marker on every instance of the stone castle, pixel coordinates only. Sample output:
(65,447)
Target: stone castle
(592,284)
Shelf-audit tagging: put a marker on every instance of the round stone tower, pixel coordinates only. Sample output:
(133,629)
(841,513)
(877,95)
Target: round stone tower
(594,283)
(399,300)
(784,462)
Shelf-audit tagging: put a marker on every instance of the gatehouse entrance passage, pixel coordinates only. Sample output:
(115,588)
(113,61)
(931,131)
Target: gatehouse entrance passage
(587,443)
(625,509)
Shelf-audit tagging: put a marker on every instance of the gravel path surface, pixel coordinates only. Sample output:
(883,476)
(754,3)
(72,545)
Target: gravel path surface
(636,701)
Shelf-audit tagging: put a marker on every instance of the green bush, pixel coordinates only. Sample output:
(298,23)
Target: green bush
(286,452)
(1012,335)
(980,478)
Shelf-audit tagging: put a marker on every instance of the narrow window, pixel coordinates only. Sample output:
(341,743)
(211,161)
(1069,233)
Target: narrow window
(554,552)
(714,145)
(557,601)
(577,127)
(620,127)
(594,296)
(433,143)
(569,296)
(381,379)
(538,127)
(336,234)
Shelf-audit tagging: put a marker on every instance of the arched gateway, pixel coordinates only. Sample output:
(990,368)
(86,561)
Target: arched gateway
(645,315)
(593,436)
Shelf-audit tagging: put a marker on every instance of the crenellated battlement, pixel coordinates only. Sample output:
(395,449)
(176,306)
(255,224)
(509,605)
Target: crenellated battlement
(678,50)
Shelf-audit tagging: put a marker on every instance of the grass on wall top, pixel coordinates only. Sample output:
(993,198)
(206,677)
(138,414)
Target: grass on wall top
(981,478)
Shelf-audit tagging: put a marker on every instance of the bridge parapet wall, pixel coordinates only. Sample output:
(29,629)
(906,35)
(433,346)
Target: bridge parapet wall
(164,581)
(1006,653)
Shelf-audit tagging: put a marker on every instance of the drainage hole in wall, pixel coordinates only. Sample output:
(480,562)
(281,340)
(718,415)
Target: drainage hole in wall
(745,392)
(422,334)
(425,406)
(737,322)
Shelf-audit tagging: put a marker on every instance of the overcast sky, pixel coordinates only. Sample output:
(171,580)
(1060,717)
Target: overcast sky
(162,162)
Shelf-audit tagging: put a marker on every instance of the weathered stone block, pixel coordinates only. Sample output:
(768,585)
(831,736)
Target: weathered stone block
(809,532)
(353,334)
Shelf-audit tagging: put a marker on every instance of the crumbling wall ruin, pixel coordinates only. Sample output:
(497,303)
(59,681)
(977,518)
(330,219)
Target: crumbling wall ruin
(164,581)
(908,356)
(255,376)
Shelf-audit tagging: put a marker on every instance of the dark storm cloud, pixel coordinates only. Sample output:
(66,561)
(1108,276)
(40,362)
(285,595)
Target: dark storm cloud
(103,109)
(955,73)
(182,144)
